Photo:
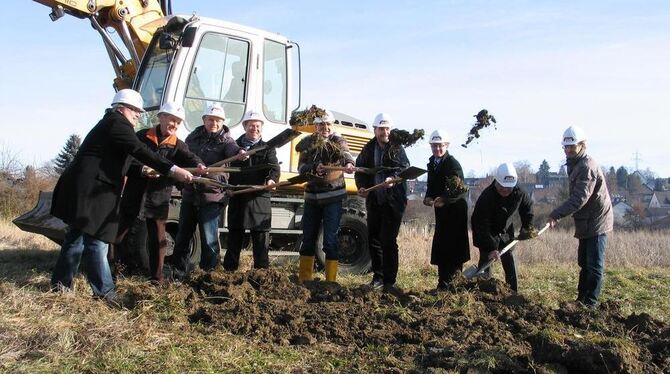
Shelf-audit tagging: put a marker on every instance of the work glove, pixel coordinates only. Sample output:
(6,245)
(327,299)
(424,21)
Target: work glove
(526,233)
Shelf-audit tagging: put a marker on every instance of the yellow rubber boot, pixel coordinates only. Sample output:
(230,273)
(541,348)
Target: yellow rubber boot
(331,270)
(306,268)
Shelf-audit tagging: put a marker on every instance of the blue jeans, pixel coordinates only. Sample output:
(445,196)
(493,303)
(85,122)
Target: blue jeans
(591,259)
(206,217)
(312,218)
(94,252)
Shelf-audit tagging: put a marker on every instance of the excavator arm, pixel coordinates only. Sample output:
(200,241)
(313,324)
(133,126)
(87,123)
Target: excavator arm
(134,21)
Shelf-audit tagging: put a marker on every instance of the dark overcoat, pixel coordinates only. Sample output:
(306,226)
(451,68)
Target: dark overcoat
(491,220)
(451,244)
(253,210)
(88,192)
(396,157)
(150,197)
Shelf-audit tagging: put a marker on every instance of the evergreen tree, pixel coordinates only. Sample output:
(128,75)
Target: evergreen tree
(66,155)
(622,177)
(543,173)
(611,180)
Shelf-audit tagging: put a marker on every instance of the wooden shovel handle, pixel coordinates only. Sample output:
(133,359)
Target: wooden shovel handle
(260,188)
(381,185)
(233,158)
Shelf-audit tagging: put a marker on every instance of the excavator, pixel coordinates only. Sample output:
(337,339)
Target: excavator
(199,61)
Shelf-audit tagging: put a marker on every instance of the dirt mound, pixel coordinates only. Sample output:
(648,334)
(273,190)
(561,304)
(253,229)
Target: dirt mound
(479,326)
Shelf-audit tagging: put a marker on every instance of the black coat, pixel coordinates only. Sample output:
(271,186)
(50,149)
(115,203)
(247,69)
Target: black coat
(253,210)
(395,196)
(491,220)
(87,195)
(150,197)
(451,244)
(211,148)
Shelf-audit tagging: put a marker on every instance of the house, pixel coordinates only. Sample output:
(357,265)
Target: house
(620,209)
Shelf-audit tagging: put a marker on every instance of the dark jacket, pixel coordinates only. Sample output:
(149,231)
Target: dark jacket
(150,197)
(87,195)
(211,148)
(491,220)
(394,157)
(589,202)
(253,210)
(451,244)
(332,187)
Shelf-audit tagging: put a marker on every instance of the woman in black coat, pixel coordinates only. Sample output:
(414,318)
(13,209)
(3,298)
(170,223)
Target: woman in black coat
(251,211)
(445,192)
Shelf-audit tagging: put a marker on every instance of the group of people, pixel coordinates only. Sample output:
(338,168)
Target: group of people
(99,208)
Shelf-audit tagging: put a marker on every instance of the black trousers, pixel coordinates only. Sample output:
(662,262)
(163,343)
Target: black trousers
(260,246)
(383,226)
(508,264)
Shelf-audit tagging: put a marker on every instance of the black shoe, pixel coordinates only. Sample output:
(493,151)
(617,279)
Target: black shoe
(377,284)
(392,288)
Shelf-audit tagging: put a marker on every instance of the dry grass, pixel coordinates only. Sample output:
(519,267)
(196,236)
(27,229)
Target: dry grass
(628,249)
(70,332)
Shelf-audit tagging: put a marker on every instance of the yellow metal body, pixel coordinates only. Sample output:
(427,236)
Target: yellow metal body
(141,18)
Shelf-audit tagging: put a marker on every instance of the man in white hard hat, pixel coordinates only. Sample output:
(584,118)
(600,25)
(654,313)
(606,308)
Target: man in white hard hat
(590,206)
(251,211)
(146,194)
(451,244)
(201,205)
(88,193)
(492,227)
(385,207)
(323,198)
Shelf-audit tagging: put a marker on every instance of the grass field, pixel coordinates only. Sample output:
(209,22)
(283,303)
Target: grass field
(51,332)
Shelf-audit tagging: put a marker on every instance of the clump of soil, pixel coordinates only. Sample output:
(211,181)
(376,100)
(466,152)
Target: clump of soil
(477,326)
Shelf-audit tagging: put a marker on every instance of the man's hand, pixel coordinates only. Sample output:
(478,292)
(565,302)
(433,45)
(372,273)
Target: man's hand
(350,168)
(320,170)
(552,223)
(438,202)
(427,201)
(362,192)
(148,172)
(270,185)
(526,233)
(201,170)
(242,155)
(494,255)
(182,175)
(388,182)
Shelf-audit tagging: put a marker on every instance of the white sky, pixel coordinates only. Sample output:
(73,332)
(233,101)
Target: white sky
(537,66)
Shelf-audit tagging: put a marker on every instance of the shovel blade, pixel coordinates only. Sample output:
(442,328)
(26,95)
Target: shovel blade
(411,172)
(471,272)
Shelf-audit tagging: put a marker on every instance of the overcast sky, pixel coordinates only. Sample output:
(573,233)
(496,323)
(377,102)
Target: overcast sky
(537,66)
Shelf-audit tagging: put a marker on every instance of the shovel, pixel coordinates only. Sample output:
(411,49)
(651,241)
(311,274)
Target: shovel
(211,182)
(276,142)
(474,271)
(359,169)
(411,172)
(302,178)
(229,169)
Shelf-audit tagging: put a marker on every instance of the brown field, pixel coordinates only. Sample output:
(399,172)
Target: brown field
(262,321)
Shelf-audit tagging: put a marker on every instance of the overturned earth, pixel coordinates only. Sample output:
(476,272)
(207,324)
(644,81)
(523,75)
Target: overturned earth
(477,326)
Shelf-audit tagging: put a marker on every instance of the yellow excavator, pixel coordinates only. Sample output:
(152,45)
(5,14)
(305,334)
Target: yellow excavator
(198,61)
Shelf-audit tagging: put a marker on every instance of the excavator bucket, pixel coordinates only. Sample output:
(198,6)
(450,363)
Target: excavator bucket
(40,221)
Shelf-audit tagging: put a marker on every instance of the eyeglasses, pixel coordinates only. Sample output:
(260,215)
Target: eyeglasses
(570,146)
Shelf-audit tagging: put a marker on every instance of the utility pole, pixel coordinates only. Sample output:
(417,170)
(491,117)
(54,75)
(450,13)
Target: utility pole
(637,160)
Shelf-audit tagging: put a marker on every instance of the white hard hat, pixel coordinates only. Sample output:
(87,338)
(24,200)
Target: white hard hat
(439,136)
(252,115)
(326,118)
(129,97)
(573,135)
(173,108)
(506,175)
(215,110)
(383,120)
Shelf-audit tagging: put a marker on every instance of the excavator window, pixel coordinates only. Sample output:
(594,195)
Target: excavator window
(274,81)
(219,74)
